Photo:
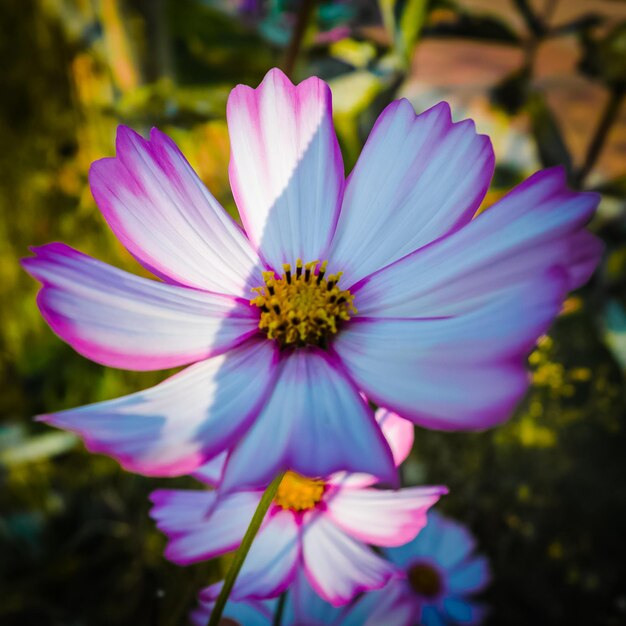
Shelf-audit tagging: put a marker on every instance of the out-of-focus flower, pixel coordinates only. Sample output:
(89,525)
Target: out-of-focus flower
(315,525)
(442,573)
(381,283)
(303,607)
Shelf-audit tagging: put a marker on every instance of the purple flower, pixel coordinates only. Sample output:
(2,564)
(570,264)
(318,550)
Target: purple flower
(381,283)
(315,526)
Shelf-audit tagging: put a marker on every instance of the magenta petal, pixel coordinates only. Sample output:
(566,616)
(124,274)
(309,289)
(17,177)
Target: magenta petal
(126,321)
(175,427)
(540,225)
(286,169)
(418,178)
(199,524)
(461,372)
(337,566)
(161,211)
(382,517)
(314,423)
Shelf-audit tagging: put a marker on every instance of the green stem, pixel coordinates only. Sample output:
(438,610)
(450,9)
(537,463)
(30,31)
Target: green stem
(604,126)
(280,609)
(244,548)
(302,20)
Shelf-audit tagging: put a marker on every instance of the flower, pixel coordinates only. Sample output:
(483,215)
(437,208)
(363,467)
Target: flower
(381,283)
(319,526)
(303,607)
(442,573)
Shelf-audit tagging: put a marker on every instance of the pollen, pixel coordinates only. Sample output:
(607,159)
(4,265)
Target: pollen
(302,308)
(299,493)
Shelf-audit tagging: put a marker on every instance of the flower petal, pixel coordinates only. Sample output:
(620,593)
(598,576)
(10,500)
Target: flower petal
(161,211)
(453,373)
(337,566)
(418,178)
(399,434)
(382,517)
(307,608)
(469,577)
(393,605)
(242,613)
(270,565)
(315,423)
(121,320)
(286,169)
(176,426)
(211,472)
(199,524)
(538,226)
(454,542)
(463,612)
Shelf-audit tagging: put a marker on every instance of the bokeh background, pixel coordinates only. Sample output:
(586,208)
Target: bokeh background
(545,494)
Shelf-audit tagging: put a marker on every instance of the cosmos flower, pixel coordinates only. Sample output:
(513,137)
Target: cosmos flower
(316,526)
(303,607)
(442,573)
(381,283)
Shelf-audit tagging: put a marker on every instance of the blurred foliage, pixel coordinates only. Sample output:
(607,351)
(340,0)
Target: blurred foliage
(545,493)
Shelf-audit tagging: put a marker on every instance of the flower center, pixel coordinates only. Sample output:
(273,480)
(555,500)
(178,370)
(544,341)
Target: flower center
(298,493)
(302,308)
(425,580)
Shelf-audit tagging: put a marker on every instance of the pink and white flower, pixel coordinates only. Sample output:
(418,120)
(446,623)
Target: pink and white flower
(380,283)
(317,527)
(442,573)
(303,607)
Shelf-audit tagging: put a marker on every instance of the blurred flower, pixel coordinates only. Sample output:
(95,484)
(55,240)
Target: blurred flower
(442,573)
(303,607)
(315,525)
(428,312)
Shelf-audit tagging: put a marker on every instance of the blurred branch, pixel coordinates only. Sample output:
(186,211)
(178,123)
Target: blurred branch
(304,15)
(607,120)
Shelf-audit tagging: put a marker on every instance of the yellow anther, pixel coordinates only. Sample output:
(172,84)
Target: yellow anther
(303,309)
(298,493)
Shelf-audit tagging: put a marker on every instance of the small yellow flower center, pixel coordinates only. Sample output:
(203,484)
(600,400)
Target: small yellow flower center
(298,493)
(302,308)
(425,580)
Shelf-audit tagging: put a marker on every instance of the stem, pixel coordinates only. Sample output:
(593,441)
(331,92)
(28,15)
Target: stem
(609,116)
(244,548)
(304,14)
(280,608)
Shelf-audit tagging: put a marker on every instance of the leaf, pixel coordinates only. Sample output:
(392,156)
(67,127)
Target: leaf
(550,143)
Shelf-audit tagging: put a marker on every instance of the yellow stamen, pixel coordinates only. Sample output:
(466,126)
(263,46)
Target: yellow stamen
(305,308)
(298,493)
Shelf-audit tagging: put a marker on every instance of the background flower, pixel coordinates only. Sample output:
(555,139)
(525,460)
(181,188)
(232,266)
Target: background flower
(442,573)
